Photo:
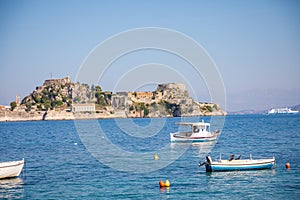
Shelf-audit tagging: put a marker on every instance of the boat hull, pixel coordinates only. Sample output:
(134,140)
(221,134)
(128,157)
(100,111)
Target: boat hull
(243,165)
(11,169)
(175,138)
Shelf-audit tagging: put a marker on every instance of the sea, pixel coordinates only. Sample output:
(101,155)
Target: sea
(68,160)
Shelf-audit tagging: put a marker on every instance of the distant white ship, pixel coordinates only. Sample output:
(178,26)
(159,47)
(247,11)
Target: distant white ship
(282,111)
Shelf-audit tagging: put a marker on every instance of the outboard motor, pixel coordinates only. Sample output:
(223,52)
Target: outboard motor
(208,159)
(207,162)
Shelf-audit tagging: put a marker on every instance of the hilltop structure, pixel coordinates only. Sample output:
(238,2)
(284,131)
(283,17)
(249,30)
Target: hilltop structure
(18,100)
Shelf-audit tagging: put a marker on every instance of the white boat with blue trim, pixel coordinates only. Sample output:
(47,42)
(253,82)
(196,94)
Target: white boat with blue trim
(200,132)
(11,169)
(238,164)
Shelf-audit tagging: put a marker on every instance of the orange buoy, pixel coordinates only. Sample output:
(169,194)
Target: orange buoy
(161,183)
(287,165)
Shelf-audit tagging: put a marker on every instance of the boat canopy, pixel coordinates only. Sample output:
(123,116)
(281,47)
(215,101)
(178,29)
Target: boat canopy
(196,126)
(193,124)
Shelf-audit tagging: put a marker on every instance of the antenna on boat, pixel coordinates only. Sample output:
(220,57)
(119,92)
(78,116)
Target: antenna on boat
(250,156)
(220,156)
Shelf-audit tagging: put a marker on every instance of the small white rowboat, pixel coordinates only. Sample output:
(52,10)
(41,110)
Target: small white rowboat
(11,169)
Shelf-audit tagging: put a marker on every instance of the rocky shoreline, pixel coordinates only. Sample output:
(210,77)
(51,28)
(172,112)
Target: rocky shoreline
(15,116)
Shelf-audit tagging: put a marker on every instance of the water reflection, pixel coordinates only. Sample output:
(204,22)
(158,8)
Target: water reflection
(202,149)
(164,189)
(11,188)
(247,173)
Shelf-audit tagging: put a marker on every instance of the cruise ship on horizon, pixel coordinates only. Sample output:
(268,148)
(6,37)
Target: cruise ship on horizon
(282,111)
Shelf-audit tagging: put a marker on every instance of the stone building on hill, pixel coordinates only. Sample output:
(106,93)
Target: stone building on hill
(119,100)
(60,81)
(88,107)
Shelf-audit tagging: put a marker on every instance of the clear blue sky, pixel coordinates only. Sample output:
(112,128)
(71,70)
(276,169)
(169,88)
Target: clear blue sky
(255,44)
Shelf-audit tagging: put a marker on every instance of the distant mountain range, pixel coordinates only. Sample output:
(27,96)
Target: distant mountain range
(297,107)
(261,100)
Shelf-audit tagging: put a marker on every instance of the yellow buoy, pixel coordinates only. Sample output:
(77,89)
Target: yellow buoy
(287,165)
(167,183)
(156,157)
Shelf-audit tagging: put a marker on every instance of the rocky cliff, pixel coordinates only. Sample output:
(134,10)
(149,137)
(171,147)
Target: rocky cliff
(168,100)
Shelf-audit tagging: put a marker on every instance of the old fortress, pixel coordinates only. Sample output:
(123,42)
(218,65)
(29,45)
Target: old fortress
(61,99)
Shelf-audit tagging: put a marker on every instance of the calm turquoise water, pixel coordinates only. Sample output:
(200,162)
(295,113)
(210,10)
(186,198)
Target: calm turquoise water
(57,168)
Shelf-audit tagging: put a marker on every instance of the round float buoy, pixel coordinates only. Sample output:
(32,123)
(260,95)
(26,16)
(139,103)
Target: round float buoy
(156,157)
(167,183)
(287,165)
(161,183)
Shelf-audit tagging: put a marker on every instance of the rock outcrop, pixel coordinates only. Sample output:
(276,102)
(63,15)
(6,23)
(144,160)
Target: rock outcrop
(168,100)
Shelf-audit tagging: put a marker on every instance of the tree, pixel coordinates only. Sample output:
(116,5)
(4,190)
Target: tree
(143,107)
(69,103)
(98,95)
(39,106)
(209,108)
(215,106)
(102,101)
(64,99)
(45,92)
(28,106)
(47,105)
(98,88)
(36,98)
(13,105)
(44,99)
(59,103)
(53,104)
(131,108)
(146,111)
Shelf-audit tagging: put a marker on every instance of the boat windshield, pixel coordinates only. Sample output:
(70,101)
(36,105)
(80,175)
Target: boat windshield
(195,129)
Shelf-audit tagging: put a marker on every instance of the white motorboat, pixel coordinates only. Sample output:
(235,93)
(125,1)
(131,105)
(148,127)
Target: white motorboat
(11,169)
(200,133)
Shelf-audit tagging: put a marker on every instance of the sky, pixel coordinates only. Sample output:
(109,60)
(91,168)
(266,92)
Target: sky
(254,44)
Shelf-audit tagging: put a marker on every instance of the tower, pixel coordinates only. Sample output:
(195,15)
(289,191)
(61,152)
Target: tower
(18,101)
